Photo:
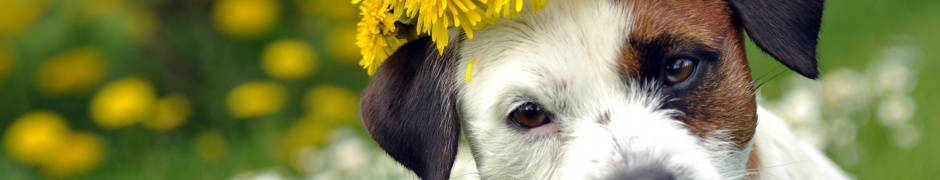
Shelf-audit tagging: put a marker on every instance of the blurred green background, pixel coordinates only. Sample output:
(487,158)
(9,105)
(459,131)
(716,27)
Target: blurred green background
(217,89)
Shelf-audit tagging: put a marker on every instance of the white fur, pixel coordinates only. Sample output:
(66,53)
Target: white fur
(565,59)
(638,137)
(783,156)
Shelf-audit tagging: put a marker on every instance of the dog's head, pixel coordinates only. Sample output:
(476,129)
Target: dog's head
(591,89)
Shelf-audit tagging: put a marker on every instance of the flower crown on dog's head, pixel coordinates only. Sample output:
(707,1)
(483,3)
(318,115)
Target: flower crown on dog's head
(385,22)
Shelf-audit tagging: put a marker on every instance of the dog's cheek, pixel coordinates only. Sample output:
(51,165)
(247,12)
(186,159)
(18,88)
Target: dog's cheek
(725,101)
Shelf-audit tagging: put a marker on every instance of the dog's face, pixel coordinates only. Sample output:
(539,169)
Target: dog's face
(591,89)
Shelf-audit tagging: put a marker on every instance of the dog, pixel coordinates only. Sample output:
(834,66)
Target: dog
(601,89)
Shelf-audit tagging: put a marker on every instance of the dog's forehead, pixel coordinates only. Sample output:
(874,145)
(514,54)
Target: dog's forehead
(705,19)
(551,55)
(706,22)
(632,23)
(585,35)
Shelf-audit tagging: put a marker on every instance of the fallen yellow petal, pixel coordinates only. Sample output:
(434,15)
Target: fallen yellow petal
(470,69)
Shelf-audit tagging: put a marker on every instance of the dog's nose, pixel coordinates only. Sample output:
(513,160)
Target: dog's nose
(645,174)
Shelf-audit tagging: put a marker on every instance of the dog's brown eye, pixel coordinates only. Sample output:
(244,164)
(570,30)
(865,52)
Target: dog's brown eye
(529,115)
(679,70)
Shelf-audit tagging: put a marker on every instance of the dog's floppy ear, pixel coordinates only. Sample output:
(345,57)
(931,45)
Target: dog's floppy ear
(786,29)
(409,109)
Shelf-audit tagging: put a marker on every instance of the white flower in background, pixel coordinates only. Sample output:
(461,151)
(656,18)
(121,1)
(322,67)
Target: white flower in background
(350,155)
(270,174)
(895,109)
(384,167)
(895,75)
(842,131)
(801,107)
(895,67)
(828,112)
(844,91)
(347,156)
(906,136)
(801,102)
(310,160)
(892,77)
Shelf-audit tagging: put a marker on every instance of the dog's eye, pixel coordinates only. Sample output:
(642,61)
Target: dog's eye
(679,70)
(529,115)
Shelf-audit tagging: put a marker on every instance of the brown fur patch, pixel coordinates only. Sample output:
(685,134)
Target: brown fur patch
(753,162)
(723,99)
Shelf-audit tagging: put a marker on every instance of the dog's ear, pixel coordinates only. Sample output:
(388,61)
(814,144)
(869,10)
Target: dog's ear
(788,30)
(409,109)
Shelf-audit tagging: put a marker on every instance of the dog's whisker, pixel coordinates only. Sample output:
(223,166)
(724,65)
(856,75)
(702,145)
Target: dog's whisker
(777,74)
(771,71)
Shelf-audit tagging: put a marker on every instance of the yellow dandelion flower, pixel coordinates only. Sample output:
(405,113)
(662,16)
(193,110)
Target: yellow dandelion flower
(508,8)
(332,103)
(377,33)
(378,36)
(246,19)
(82,152)
(18,15)
(436,16)
(122,102)
(71,72)
(289,59)
(343,45)
(35,136)
(6,62)
(142,25)
(255,99)
(169,112)
(211,146)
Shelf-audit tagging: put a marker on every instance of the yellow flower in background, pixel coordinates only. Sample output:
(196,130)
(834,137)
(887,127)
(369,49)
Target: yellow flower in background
(35,137)
(122,102)
(17,15)
(332,103)
(255,99)
(378,36)
(343,45)
(82,152)
(246,18)
(6,62)
(142,25)
(307,132)
(71,72)
(210,146)
(328,9)
(289,59)
(93,10)
(169,112)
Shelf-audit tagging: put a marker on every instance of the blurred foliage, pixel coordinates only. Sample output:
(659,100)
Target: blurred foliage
(207,89)
(172,89)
